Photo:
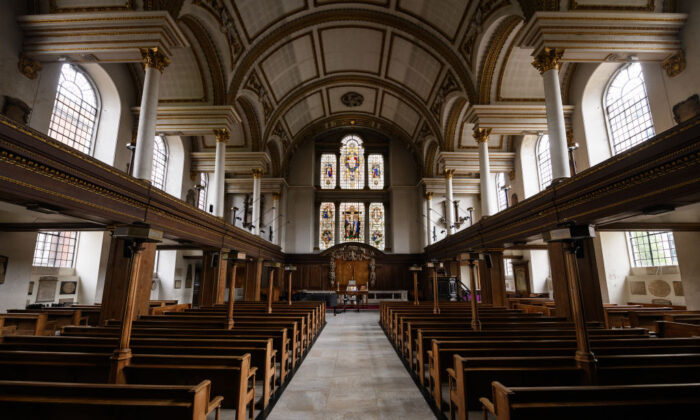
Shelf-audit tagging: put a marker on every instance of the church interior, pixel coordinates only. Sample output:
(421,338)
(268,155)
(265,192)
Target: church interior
(330,209)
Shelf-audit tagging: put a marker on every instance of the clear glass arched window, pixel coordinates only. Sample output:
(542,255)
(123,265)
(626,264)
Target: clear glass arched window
(203,189)
(352,164)
(75,110)
(55,249)
(501,192)
(160,163)
(627,109)
(544,162)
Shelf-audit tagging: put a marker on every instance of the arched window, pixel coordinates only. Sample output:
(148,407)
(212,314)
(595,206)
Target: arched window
(627,109)
(55,249)
(203,189)
(501,191)
(352,164)
(376,171)
(75,110)
(652,249)
(328,165)
(376,225)
(327,226)
(160,163)
(544,162)
(353,222)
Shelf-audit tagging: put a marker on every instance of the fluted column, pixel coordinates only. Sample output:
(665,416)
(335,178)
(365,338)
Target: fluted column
(489,205)
(449,200)
(428,218)
(548,63)
(257,176)
(154,62)
(222,137)
(275,219)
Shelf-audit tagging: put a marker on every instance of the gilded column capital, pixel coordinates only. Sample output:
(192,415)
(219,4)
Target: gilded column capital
(481,135)
(222,135)
(275,196)
(28,67)
(428,196)
(449,173)
(153,57)
(548,59)
(257,173)
(675,64)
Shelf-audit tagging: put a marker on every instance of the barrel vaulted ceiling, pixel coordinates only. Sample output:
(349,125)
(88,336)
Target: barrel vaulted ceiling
(411,67)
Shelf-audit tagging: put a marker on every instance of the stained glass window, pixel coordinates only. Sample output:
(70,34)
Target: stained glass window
(353,216)
(376,171)
(160,163)
(328,165)
(376,225)
(55,249)
(204,184)
(627,109)
(326,226)
(544,162)
(74,113)
(352,164)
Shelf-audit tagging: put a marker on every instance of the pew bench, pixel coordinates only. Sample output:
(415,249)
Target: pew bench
(74,401)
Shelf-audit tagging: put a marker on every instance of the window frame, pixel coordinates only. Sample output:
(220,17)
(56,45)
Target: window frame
(165,161)
(631,250)
(606,115)
(501,193)
(537,162)
(58,243)
(204,192)
(98,107)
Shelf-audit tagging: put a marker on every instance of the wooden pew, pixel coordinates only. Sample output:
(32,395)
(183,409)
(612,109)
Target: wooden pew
(641,402)
(677,329)
(261,351)
(28,323)
(646,319)
(74,401)
(160,310)
(231,376)
(60,316)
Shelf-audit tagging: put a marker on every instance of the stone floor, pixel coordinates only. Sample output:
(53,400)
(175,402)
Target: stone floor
(352,372)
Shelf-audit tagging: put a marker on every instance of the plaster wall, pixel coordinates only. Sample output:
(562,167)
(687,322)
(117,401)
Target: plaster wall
(18,247)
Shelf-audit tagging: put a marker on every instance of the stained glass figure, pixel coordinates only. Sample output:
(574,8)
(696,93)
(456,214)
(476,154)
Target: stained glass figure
(352,164)
(376,225)
(376,171)
(327,226)
(353,215)
(328,164)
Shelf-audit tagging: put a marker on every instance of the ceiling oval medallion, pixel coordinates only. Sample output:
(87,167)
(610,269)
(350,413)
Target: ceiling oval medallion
(659,288)
(352,99)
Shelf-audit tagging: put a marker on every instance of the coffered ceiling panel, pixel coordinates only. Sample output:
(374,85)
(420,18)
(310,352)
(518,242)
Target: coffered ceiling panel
(398,111)
(445,16)
(290,65)
(413,66)
(369,99)
(257,15)
(352,49)
(519,79)
(304,112)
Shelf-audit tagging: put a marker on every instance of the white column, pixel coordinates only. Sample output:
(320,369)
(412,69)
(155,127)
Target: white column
(220,172)
(449,205)
(257,176)
(154,63)
(548,63)
(489,206)
(428,218)
(275,218)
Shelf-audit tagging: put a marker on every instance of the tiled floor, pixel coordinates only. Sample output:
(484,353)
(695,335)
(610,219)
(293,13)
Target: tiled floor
(352,372)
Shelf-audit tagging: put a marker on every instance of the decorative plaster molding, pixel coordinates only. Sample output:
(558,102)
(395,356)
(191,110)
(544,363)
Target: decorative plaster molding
(510,119)
(239,163)
(467,163)
(194,119)
(462,186)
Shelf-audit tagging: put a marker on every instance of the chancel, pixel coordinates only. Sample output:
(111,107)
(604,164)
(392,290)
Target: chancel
(371,209)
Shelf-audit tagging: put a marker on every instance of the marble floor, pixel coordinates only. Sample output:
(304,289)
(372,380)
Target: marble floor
(352,372)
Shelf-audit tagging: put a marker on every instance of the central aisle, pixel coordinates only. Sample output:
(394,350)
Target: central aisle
(352,372)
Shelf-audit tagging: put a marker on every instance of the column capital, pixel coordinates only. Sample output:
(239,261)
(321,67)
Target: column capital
(449,173)
(548,59)
(222,135)
(257,173)
(28,67)
(275,196)
(481,135)
(428,196)
(153,57)
(674,64)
